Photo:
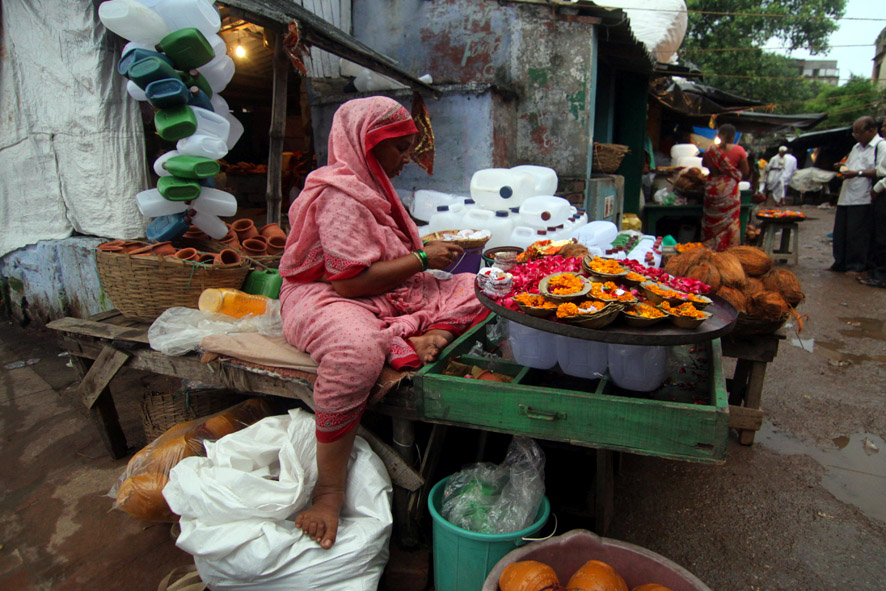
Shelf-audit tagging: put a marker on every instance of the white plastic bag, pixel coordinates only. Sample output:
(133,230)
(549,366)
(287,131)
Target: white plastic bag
(238,506)
(180,330)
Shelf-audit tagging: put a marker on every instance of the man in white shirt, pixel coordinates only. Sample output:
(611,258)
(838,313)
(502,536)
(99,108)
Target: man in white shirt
(853,222)
(790,167)
(775,176)
(877,275)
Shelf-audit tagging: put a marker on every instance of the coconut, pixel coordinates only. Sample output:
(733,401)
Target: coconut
(573,250)
(731,272)
(735,297)
(706,273)
(753,260)
(785,283)
(768,305)
(680,265)
(753,285)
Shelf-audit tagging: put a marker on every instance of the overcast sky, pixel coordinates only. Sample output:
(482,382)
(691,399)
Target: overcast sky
(854,60)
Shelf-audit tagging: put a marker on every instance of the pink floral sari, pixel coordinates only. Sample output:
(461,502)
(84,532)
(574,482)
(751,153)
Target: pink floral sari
(348,217)
(721,225)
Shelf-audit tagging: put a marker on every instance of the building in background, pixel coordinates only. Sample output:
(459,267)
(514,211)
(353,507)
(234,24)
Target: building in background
(821,70)
(879,74)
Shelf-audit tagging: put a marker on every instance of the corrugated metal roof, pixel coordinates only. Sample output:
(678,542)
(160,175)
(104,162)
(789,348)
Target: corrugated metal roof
(323,35)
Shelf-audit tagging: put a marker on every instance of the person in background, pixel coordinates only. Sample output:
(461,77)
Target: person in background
(354,293)
(790,167)
(775,176)
(728,165)
(853,221)
(876,277)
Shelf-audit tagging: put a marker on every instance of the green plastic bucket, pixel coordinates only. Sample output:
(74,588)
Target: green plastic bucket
(463,558)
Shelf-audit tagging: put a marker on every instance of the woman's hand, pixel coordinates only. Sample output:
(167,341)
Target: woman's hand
(442,254)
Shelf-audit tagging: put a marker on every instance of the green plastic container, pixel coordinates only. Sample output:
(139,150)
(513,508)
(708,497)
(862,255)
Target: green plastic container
(192,167)
(176,189)
(196,80)
(463,558)
(150,69)
(267,283)
(187,47)
(175,123)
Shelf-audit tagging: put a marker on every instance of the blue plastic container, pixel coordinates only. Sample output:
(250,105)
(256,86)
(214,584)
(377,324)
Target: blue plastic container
(137,54)
(167,93)
(198,98)
(463,558)
(195,78)
(167,227)
(150,69)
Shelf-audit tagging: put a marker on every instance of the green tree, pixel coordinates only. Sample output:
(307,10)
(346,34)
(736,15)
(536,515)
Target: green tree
(844,104)
(729,45)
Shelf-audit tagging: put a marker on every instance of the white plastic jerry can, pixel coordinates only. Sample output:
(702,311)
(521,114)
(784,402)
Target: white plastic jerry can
(542,212)
(545,178)
(501,188)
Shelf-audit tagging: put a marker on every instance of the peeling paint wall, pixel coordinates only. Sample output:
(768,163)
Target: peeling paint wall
(539,68)
(52,279)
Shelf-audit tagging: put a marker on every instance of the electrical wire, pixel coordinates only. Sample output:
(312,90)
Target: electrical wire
(758,77)
(761,14)
(810,48)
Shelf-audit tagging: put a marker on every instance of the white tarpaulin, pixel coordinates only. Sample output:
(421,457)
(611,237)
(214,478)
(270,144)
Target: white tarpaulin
(72,149)
(659,24)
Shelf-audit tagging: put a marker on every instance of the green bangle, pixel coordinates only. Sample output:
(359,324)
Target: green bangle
(422,258)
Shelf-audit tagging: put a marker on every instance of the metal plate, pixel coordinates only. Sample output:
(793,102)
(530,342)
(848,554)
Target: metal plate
(719,324)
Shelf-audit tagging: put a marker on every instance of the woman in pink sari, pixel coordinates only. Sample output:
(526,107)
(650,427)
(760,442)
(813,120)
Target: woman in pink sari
(728,164)
(354,295)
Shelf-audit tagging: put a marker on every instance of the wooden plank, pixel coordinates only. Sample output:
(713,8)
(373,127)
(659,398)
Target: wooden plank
(604,491)
(96,380)
(81,327)
(277,132)
(104,415)
(754,397)
(759,348)
(102,316)
(745,418)
(346,16)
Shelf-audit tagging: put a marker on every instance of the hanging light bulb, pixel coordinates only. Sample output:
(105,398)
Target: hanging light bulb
(239,51)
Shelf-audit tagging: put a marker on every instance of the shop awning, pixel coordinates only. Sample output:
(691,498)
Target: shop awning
(316,32)
(697,103)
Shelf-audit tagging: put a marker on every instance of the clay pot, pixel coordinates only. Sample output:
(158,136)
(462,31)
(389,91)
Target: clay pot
(143,251)
(112,246)
(276,244)
(206,257)
(163,248)
(271,230)
(187,254)
(254,247)
(130,246)
(228,257)
(245,229)
(231,240)
(195,233)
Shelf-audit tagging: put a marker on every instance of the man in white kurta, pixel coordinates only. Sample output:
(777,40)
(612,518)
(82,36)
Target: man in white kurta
(853,221)
(790,167)
(775,176)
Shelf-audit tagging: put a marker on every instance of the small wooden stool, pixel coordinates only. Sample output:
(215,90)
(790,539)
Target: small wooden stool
(789,248)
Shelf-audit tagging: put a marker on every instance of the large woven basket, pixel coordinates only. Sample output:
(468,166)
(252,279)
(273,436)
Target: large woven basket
(464,243)
(142,287)
(749,325)
(608,157)
(160,411)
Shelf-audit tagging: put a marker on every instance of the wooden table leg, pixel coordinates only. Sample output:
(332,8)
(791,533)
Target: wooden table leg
(753,397)
(404,444)
(604,491)
(95,393)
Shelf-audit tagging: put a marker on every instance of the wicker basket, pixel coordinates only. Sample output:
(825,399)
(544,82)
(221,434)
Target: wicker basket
(748,325)
(160,411)
(142,287)
(608,157)
(475,243)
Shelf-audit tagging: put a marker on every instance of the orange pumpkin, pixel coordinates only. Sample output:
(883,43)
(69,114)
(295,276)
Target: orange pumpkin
(528,575)
(651,587)
(596,576)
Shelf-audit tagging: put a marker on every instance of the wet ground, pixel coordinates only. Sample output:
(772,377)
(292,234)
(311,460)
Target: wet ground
(802,508)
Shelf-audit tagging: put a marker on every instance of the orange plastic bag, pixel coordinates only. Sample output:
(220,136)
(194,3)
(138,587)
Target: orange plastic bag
(139,489)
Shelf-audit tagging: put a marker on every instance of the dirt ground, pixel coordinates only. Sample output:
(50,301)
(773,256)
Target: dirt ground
(804,507)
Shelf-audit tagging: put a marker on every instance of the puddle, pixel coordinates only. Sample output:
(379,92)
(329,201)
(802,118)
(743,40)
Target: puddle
(863,328)
(856,466)
(834,352)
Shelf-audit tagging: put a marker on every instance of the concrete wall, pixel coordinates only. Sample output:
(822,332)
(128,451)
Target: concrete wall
(539,70)
(51,279)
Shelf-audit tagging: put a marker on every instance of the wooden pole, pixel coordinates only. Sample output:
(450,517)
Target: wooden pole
(274,192)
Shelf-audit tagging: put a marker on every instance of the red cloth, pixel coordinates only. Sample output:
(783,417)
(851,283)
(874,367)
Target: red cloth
(347,218)
(721,224)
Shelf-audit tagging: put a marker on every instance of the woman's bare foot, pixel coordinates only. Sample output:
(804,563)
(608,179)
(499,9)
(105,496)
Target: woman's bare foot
(320,521)
(429,345)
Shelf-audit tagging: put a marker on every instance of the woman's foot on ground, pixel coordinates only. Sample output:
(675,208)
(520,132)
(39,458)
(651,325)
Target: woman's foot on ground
(320,521)
(870,281)
(428,346)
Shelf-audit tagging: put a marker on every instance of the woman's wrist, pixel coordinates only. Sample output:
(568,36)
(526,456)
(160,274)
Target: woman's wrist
(422,257)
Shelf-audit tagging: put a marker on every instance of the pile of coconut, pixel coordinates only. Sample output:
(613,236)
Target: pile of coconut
(744,277)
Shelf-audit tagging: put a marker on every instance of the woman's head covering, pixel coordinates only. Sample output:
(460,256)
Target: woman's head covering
(357,127)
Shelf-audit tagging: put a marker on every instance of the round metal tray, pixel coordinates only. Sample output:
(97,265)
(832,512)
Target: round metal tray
(721,322)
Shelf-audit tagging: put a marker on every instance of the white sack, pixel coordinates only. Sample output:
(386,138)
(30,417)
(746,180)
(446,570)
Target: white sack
(71,139)
(238,506)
